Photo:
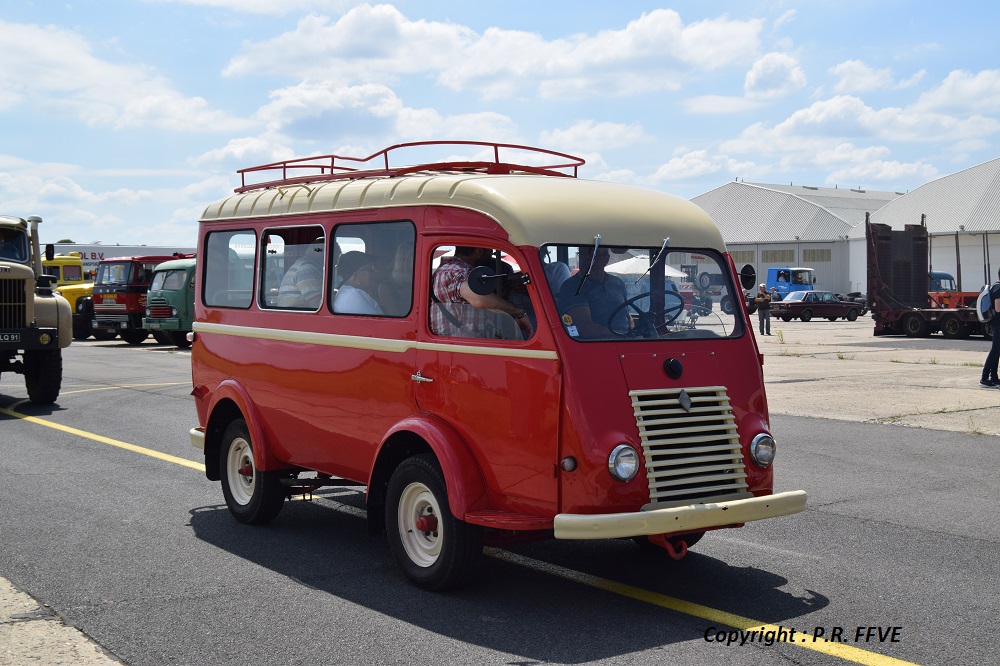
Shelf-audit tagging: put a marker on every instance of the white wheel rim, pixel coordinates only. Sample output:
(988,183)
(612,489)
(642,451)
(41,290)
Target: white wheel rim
(417,501)
(241,486)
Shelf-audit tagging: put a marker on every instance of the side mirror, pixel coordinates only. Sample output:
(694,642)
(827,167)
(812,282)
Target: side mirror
(748,276)
(482,280)
(50,251)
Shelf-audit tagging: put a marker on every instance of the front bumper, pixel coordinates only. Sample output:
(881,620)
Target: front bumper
(173,324)
(29,338)
(678,519)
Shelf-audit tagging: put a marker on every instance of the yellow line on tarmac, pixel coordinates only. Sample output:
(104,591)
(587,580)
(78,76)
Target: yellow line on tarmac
(848,652)
(107,440)
(120,386)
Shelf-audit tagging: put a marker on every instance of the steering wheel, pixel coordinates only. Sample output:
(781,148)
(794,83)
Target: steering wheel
(673,305)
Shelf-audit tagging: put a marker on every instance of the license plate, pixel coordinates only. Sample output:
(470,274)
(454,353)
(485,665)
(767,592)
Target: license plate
(10,337)
(152,324)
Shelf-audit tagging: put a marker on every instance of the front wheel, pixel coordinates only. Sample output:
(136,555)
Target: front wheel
(179,339)
(43,375)
(435,550)
(134,336)
(786,317)
(806,315)
(252,496)
(852,315)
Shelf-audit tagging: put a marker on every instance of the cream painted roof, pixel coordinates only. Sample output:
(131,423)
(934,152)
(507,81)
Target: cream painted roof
(534,210)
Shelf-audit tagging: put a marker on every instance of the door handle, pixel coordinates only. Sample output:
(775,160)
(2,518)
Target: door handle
(419,378)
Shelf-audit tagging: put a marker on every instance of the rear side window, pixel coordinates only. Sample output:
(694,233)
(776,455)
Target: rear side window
(293,268)
(229,268)
(373,269)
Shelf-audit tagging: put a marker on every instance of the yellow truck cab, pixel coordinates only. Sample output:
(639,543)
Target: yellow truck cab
(75,285)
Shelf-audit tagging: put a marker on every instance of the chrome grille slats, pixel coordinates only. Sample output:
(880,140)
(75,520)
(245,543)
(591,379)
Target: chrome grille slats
(691,455)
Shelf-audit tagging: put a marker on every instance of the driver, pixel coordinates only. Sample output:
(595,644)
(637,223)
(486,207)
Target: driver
(586,311)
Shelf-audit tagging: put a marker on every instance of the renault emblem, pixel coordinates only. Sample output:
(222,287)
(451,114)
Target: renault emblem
(685,400)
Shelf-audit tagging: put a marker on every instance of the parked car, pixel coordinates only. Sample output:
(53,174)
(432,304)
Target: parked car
(805,305)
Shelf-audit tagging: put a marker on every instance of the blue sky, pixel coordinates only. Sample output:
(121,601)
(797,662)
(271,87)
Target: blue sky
(121,120)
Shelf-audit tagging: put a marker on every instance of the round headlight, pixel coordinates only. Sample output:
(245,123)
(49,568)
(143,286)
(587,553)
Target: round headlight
(173,312)
(147,312)
(623,462)
(762,449)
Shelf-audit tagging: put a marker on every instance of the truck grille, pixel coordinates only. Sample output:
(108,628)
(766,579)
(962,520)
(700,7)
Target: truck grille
(159,312)
(13,307)
(690,444)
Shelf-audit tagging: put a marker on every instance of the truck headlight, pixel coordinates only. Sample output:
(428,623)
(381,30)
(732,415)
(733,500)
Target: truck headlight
(623,462)
(762,449)
(147,312)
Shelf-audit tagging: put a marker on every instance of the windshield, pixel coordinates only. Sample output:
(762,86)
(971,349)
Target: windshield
(13,245)
(115,273)
(615,295)
(168,280)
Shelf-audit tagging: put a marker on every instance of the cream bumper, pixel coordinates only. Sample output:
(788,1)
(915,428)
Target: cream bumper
(197,438)
(677,519)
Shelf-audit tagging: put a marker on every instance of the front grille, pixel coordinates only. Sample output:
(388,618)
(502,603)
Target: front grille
(13,306)
(159,312)
(690,444)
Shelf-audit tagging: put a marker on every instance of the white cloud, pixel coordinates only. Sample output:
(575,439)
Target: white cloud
(54,70)
(774,75)
(686,165)
(856,76)
(277,7)
(964,92)
(587,135)
(377,44)
(707,104)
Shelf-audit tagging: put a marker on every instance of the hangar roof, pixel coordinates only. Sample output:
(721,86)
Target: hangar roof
(763,213)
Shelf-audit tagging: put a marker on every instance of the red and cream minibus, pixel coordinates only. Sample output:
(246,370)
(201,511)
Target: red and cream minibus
(493,347)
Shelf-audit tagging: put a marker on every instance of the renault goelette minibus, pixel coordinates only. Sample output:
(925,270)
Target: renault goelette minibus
(494,348)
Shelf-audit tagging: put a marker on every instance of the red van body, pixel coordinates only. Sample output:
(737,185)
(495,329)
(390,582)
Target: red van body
(657,430)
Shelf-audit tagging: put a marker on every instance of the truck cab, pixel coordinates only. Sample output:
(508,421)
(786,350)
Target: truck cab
(788,278)
(75,285)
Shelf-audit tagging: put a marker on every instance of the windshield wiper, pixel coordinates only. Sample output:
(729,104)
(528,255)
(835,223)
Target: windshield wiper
(663,248)
(593,258)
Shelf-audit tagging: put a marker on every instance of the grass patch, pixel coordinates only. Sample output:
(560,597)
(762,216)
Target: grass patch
(845,357)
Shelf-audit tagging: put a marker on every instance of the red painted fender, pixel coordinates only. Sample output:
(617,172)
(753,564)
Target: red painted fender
(230,389)
(462,474)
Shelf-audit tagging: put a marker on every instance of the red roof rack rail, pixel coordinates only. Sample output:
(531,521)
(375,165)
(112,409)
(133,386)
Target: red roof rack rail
(330,167)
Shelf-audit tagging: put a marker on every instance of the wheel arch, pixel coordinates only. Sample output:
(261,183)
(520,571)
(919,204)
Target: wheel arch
(231,401)
(462,475)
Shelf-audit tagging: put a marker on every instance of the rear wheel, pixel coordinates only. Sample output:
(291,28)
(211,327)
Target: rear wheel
(134,336)
(252,496)
(806,315)
(435,550)
(953,327)
(915,326)
(43,375)
(179,339)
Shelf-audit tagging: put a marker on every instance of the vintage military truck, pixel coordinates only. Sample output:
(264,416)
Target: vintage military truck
(35,322)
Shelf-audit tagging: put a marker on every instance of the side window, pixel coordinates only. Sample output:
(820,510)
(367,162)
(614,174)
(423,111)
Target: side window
(229,262)
(374,269)
(293,267)
(493,315)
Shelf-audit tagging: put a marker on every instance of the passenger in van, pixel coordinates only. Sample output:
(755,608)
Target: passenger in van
(357,270)
(587,309)
(302,285)
(396,291)
(459,311)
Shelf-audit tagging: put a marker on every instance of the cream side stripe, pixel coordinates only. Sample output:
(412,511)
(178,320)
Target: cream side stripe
(107,440)
(848,652)
(362,342)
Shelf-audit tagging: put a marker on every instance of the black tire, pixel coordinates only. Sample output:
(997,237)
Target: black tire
(134,336)
(43,375)
(104,335)
(852,315)
(806,315)
(915,326)
(179,339)
(161,338)
(833,318)
(438,558)
(81,329)
(252,496)
(954,328)
(726,305)
(786,317)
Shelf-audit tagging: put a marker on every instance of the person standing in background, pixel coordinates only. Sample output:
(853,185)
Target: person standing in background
(763,301)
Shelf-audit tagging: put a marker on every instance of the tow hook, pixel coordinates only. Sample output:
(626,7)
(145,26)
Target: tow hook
(677,552)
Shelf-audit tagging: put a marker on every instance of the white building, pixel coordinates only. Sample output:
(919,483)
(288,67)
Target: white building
(823,228)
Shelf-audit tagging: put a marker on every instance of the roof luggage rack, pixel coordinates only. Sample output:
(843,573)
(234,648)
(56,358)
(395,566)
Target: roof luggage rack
(331,167)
